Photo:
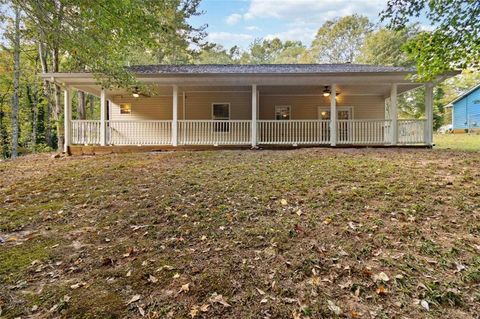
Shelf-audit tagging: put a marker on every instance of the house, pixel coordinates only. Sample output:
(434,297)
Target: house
(250,105)
(466,111)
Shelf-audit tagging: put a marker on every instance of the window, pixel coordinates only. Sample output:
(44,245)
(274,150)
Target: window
(324,115)
(343,113)
(221,112)
(282,112)
(125,108)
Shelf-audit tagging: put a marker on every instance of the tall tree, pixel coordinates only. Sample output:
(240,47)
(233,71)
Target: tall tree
(340,40)
(97,35)
(266,51)
(215,54)
(81,111)
(455,41)
(385,47)
(16,82)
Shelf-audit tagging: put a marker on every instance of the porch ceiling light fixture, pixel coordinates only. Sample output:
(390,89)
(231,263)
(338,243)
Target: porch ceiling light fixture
(135,93)
(326,91)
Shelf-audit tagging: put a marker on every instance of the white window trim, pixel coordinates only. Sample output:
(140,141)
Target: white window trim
(320,109)
(289,111)
(229,111)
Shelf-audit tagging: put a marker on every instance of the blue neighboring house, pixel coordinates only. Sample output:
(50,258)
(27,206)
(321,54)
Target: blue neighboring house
(466,110)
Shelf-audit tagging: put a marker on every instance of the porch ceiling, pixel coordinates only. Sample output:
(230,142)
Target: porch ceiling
(353,84)
(162,90)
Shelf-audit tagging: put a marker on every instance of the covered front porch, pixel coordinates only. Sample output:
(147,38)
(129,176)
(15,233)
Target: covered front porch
(249,110)
(239,132)
(222,116)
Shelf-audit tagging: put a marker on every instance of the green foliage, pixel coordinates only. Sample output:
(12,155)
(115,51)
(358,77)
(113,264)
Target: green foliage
(453,44)
(96,35)
(101,37)
(260,52)
(385,47)
(340,40)
(217,54)
(274,51)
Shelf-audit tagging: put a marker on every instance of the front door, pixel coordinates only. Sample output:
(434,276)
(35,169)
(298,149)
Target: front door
(343,113)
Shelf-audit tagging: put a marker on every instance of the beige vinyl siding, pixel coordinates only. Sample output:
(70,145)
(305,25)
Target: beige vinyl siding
(198,105)
(306,107)
(145,108)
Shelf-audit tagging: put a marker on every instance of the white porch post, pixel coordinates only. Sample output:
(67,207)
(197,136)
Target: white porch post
(175,116)
(394,114)
(333,115)
(67,118)
(254,116)
(429,114)
(103,117)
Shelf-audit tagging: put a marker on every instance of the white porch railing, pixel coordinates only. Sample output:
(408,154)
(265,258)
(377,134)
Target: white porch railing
(412,131)
(85,132)
(293,132)
(235,132)
(364,132)
(139,132)
(213,132)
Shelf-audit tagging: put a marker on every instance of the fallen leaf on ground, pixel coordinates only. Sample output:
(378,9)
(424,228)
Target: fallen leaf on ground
(425,305)
(261,292)
(381,290)
(216,298)
(152,279)
(296,315)
(78,285)
(141,311)
(334,308)
(134,299)
(185,288)
(194,311)
(381,277)
(315,281)
(283,202)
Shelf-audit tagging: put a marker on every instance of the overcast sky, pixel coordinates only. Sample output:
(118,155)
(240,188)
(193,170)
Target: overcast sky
(239,22)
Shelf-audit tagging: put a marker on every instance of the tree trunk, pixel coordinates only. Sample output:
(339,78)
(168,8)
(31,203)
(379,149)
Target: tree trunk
(57,109)
(28,91)
(92,106)
(47,94)
(33,104)
(3,133)
(16,81)
(35,115)
(81,106)
(55,49)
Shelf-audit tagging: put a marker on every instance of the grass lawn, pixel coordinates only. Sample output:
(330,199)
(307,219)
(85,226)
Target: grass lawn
(463,142)
(310,233)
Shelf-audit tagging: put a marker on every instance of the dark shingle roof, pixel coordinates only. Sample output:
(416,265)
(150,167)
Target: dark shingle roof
(264,69)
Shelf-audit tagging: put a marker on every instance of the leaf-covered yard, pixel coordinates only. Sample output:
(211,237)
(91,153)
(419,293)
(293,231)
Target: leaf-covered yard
(311,233)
